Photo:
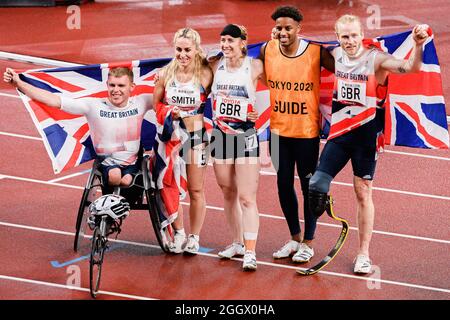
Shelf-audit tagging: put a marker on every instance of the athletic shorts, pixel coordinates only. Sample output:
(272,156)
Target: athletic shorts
(234,146)
(198,140)
(335,156)
(130,169)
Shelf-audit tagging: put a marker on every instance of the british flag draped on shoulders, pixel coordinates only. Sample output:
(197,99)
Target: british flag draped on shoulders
(415,111)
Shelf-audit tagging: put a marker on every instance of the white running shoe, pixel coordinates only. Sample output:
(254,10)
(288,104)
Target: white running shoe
(363,265)
(304,253)
(178,240)
(289,248)
(234,249)
(192,244)
(249,261)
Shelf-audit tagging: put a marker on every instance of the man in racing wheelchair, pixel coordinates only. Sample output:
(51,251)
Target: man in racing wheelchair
(115,124)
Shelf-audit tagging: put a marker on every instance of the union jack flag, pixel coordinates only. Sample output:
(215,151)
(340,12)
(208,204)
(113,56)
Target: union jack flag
(415,107)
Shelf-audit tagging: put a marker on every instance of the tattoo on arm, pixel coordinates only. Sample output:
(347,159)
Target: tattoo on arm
(401,70)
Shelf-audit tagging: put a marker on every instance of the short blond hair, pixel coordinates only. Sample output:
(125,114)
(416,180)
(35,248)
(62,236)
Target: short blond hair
(347,18)
(120,72)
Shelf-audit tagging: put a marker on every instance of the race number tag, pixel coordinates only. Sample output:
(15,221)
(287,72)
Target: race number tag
(352,91)
(236,108)
(201,156)
(251,142)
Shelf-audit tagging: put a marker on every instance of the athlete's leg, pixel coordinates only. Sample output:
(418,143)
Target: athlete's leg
(364,163)
(307,154)
(365,213)
(333,159)
(126,180)
(285,183)
(226,179)
(114,176)
(247,178)
(195,177)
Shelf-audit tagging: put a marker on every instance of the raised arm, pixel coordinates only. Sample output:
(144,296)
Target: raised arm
(48,98)
(389,63)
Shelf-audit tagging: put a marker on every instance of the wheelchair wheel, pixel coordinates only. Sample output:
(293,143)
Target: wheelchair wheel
(96,260)
(89,196)
(163,235)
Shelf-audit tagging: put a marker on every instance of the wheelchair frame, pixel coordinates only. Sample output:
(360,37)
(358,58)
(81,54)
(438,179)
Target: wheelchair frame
(147,190)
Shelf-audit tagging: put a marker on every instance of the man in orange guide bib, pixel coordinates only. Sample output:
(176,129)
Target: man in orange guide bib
(292,69)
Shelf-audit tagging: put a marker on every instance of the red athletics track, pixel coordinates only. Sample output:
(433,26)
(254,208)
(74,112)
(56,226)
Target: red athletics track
(37,217)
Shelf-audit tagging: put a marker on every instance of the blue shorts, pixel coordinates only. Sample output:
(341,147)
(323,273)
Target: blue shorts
(335,156)
(130,169)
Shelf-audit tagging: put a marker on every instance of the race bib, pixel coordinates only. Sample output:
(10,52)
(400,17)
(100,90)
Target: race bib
(201,157)
(236,108)
(251,142)
(352,91)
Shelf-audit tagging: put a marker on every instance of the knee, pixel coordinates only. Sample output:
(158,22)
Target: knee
(126,180)
(196,193)
(320,182)
(229,193)
(247,201)
(363,193)
(114,177)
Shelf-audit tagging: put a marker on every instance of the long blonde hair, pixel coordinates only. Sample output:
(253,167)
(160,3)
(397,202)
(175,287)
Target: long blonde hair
(171,69)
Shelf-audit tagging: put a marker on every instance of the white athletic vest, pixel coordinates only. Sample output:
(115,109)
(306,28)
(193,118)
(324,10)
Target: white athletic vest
(354,96)
(233,93)
(186,95)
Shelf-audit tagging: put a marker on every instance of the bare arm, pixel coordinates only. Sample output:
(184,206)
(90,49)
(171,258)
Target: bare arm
(257,75)
(207,79)
(389,63)
(326,59)
(48,98)
(158,92)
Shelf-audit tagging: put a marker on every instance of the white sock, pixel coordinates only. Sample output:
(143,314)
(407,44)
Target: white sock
(180,231)
(196,237)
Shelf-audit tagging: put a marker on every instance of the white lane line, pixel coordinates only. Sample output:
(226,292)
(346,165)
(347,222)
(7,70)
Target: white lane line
(9,95)
(43,182)
(400,235)
(61,286)
(417,155)
(19,136)
(271,264)
(426,195)
(221,209)
(36,60)
(70,176)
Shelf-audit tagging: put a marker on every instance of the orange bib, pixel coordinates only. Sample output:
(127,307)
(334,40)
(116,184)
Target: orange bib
(294,84)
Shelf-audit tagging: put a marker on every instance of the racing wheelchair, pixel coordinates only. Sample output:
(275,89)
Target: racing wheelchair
(103,215)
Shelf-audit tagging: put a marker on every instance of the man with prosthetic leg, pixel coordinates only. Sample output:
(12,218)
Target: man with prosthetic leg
(357,122)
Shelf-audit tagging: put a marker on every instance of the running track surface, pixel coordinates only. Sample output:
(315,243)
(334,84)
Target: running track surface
(410,246)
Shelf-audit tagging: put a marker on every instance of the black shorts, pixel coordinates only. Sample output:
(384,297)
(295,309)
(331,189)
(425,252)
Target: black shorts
(196,138)
(130,169)
(233,146)
(335,156)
